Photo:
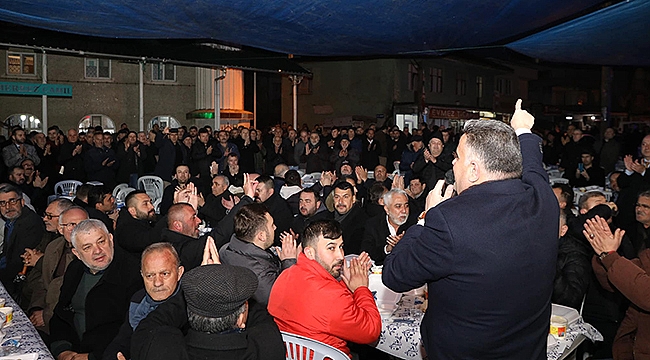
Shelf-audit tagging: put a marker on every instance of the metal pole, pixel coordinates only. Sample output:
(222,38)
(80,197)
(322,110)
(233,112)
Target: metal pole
(295,79)
(141,84)
(255,99)
(44,97)
(217,97)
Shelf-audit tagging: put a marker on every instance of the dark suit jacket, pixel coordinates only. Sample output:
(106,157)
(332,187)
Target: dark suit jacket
(488,256)
(27,233)
(107,305)
(134,235)
(353,227)
(376,232)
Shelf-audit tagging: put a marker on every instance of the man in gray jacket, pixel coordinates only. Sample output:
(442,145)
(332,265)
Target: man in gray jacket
(251,247)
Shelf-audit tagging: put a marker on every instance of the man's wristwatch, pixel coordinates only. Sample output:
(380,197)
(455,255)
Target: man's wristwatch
(604,254)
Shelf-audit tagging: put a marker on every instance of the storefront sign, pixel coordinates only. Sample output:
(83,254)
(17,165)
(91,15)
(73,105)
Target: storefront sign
(444,113)
(35,89)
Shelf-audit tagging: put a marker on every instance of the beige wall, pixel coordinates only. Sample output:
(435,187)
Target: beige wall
(118,97)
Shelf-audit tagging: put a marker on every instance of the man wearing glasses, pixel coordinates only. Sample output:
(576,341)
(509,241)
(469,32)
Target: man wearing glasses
(51,266)
(23,230)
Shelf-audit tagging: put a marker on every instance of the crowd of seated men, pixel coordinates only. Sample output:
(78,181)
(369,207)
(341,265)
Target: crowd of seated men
(93,273)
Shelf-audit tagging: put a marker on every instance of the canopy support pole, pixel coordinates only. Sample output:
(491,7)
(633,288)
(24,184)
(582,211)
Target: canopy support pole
(295,79)
(217,97)
(44,97)
(141,94)
(254,99)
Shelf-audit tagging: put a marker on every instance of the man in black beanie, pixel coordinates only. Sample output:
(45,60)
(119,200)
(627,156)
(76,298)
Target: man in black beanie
(218,318)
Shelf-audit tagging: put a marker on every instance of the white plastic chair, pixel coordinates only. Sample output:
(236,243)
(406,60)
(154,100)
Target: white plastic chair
(121,195)
(153,186)
(302,348)
(67,187)
(119,188)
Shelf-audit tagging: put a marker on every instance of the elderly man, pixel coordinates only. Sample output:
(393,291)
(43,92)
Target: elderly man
(23,230)
(94,296)
(384,231)
(50,267)
(250,247)
(136,226)
(265,194)
(18,151)
(311,208)
(71,157)
(433,165)
(161,271)
(218,317)
(350,215)
(335,305)
(489,268)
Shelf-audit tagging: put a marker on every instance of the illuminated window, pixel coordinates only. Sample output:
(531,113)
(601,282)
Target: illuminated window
(21,64)
(92,120)
(98,68)
(163,72)
(28,122)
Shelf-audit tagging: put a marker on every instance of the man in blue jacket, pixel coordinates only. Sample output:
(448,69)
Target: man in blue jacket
(488,255)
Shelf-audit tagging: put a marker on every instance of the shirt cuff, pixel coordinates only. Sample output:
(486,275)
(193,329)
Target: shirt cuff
(522,131)
(628,172)
(386,250)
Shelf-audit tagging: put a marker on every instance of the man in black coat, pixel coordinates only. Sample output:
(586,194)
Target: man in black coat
(278,208)
(311,209)
(136,227)
(371,150)
(204,152)
(100,162)
(101,203)
(489,254)
(171,153)
(210,292)
(213,210)
(384,231)
(71,157)
(183,233)
(23,230)
(182,177)
(433,165)
(350,215)
(95,294)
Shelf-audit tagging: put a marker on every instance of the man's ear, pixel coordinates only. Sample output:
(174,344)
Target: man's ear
(132,211)
(310,253)
(76,253)
(563,229)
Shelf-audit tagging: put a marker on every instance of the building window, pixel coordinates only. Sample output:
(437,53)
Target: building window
(90,121)
(163,121)
(163,72)
(21,64)
(479,89)
(435,76)
(461,84)
(28,122)
(414,77)
(98,68)
(504,86)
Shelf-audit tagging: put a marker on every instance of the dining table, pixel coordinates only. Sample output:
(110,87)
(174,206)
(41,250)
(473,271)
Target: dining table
(400,331)
(20,336)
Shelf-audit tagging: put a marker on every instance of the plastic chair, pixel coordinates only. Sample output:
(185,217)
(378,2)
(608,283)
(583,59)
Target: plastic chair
(67,187)
(302,348)
(152,185)
(121,195)
(119,188)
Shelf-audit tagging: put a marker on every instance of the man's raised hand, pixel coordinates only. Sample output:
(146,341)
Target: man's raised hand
(521,119)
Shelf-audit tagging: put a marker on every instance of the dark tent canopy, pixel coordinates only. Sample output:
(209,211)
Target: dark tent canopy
(558,30)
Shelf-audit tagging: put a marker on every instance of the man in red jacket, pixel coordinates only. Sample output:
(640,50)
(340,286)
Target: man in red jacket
(334,304)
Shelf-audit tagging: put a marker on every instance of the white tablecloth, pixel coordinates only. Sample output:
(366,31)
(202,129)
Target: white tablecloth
(400,333)
(23,330)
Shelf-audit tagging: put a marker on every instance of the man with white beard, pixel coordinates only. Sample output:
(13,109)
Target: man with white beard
(384,231)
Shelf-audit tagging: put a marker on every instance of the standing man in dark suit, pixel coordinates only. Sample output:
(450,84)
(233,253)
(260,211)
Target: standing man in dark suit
(488,255)
(171,153)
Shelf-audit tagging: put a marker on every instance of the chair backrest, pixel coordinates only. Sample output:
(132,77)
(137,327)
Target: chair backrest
(67,187)
(152,185)
(302,348)
(121,195)
(119,188)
